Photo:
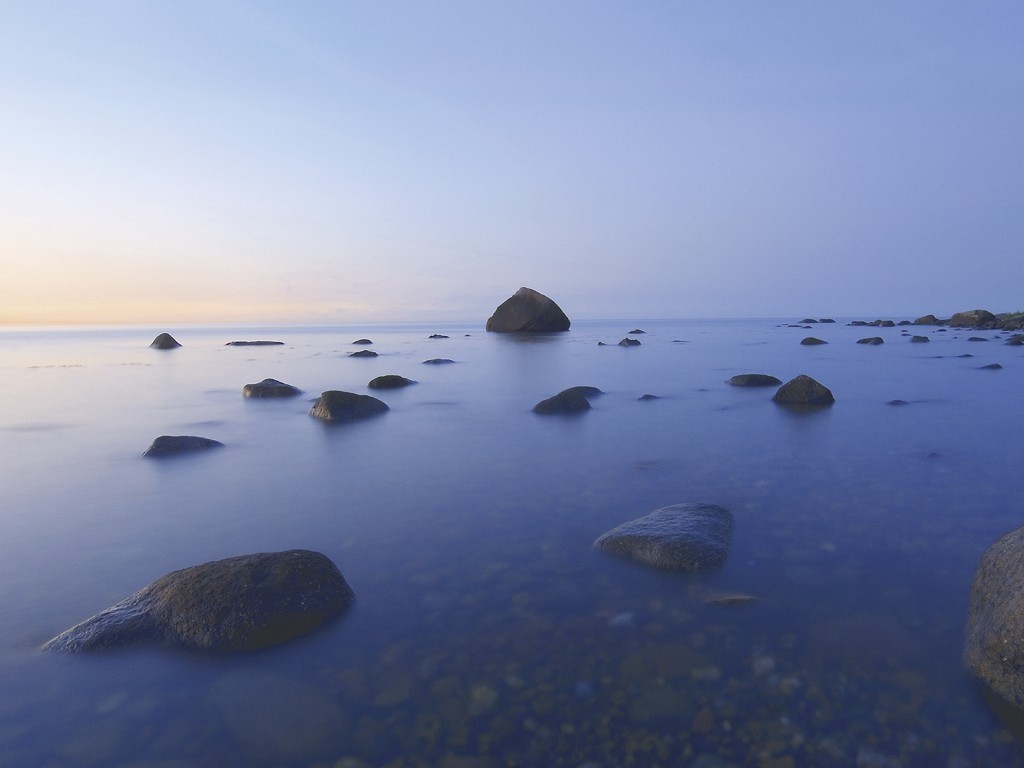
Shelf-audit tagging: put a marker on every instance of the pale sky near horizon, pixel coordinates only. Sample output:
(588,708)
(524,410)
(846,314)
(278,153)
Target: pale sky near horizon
(325,161)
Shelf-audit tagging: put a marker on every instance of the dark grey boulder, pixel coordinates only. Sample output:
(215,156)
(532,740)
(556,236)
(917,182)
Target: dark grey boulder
(568,401)
(971,317)
(754,380)
(992,367)
(627,342)
(253,343)
(803,390)
(826,320)
(811,341)
(886,324)
(994,643)
(238,604)
(364,353)
(584,390)
(872,340)
(682,537)
(635,331)
(164,341)
(976,338)
(172,445)
(919,339)
(342,407)
(528,311)
(438,361)
(270,388)
(437,336)
(362,341)
(898,402)
(647,398)
(927,320)
(390,381)
(1015,341)
(807,320)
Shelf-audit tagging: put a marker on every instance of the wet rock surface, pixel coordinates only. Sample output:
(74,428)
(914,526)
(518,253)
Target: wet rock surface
(340,407)
(364,353)
(237,604)
(994,645)
(681,537)
(528,310)
(172,445)
(812,341)
(270,388)
(872,340)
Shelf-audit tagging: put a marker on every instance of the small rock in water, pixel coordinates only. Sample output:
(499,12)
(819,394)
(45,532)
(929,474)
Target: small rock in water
(253,343)
(568,401)
(811,341)
(992,367)
(872,340)
(364,353)
(362,341)
(270,388)
(164,341)
(919,339)
(898,402)
(803,390)
(342,407)
(438,361)
(627,342)
(389,381)
(635,331)
(645,398)
(681,537)
(754,380)
(437,336)
(168,445)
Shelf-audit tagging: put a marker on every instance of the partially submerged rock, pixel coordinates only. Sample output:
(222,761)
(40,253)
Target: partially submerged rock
(528,311)
(253,343)
(238,604)
(681,537)
(362,341)
(994,645)
(872,340)
(919,340)
(364,353)
(170,445)
(628,342)
(811,341)
(803,390)
(164,341)
(971,317)
(390,381)
(341,407)
(568,401)
(270,388)
(754,380)
(438,361)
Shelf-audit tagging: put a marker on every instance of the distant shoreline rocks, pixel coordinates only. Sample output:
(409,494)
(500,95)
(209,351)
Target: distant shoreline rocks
(253,343)
(528,311)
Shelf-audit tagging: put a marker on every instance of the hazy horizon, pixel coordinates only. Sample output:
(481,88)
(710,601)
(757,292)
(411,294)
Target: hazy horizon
(399,162)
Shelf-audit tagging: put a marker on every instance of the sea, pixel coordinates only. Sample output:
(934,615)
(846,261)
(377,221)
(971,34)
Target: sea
(488,631)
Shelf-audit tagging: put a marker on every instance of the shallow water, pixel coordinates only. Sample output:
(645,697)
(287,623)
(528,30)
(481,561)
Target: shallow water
(488,631)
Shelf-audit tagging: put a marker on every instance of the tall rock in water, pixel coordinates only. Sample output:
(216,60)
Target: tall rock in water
(528,311)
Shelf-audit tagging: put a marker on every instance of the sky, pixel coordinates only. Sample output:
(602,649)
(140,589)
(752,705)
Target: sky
(338,162)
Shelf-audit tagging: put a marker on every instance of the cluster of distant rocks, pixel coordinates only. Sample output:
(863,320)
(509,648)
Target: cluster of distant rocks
(976,319)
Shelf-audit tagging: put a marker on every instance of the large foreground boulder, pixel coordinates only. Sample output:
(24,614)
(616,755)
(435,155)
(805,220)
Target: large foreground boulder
(994,647)
(237,604)
(804,391)
(339,407)
(528,311)
(682,537)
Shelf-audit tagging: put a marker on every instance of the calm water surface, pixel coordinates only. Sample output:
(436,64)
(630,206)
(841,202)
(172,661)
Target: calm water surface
(488,631)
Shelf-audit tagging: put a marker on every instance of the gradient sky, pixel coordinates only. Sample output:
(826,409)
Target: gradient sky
(242,161)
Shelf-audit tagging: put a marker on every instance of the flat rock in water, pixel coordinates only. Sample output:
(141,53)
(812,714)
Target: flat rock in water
(270,388)
(164,341)
(237,604)
(872,340)
(568,401)
(438,361)
(811,341)
(253,343)
(682,537)
(803,390)
(390,381)
(170,445)
(754,380)
(362,341)
(340,407)
(994,645)
(364,353)
(528,310)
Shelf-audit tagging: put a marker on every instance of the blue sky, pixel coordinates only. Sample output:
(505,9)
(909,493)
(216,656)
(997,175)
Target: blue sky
(346,162)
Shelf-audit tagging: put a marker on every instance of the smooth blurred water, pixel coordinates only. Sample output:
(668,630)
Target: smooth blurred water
(488,631)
